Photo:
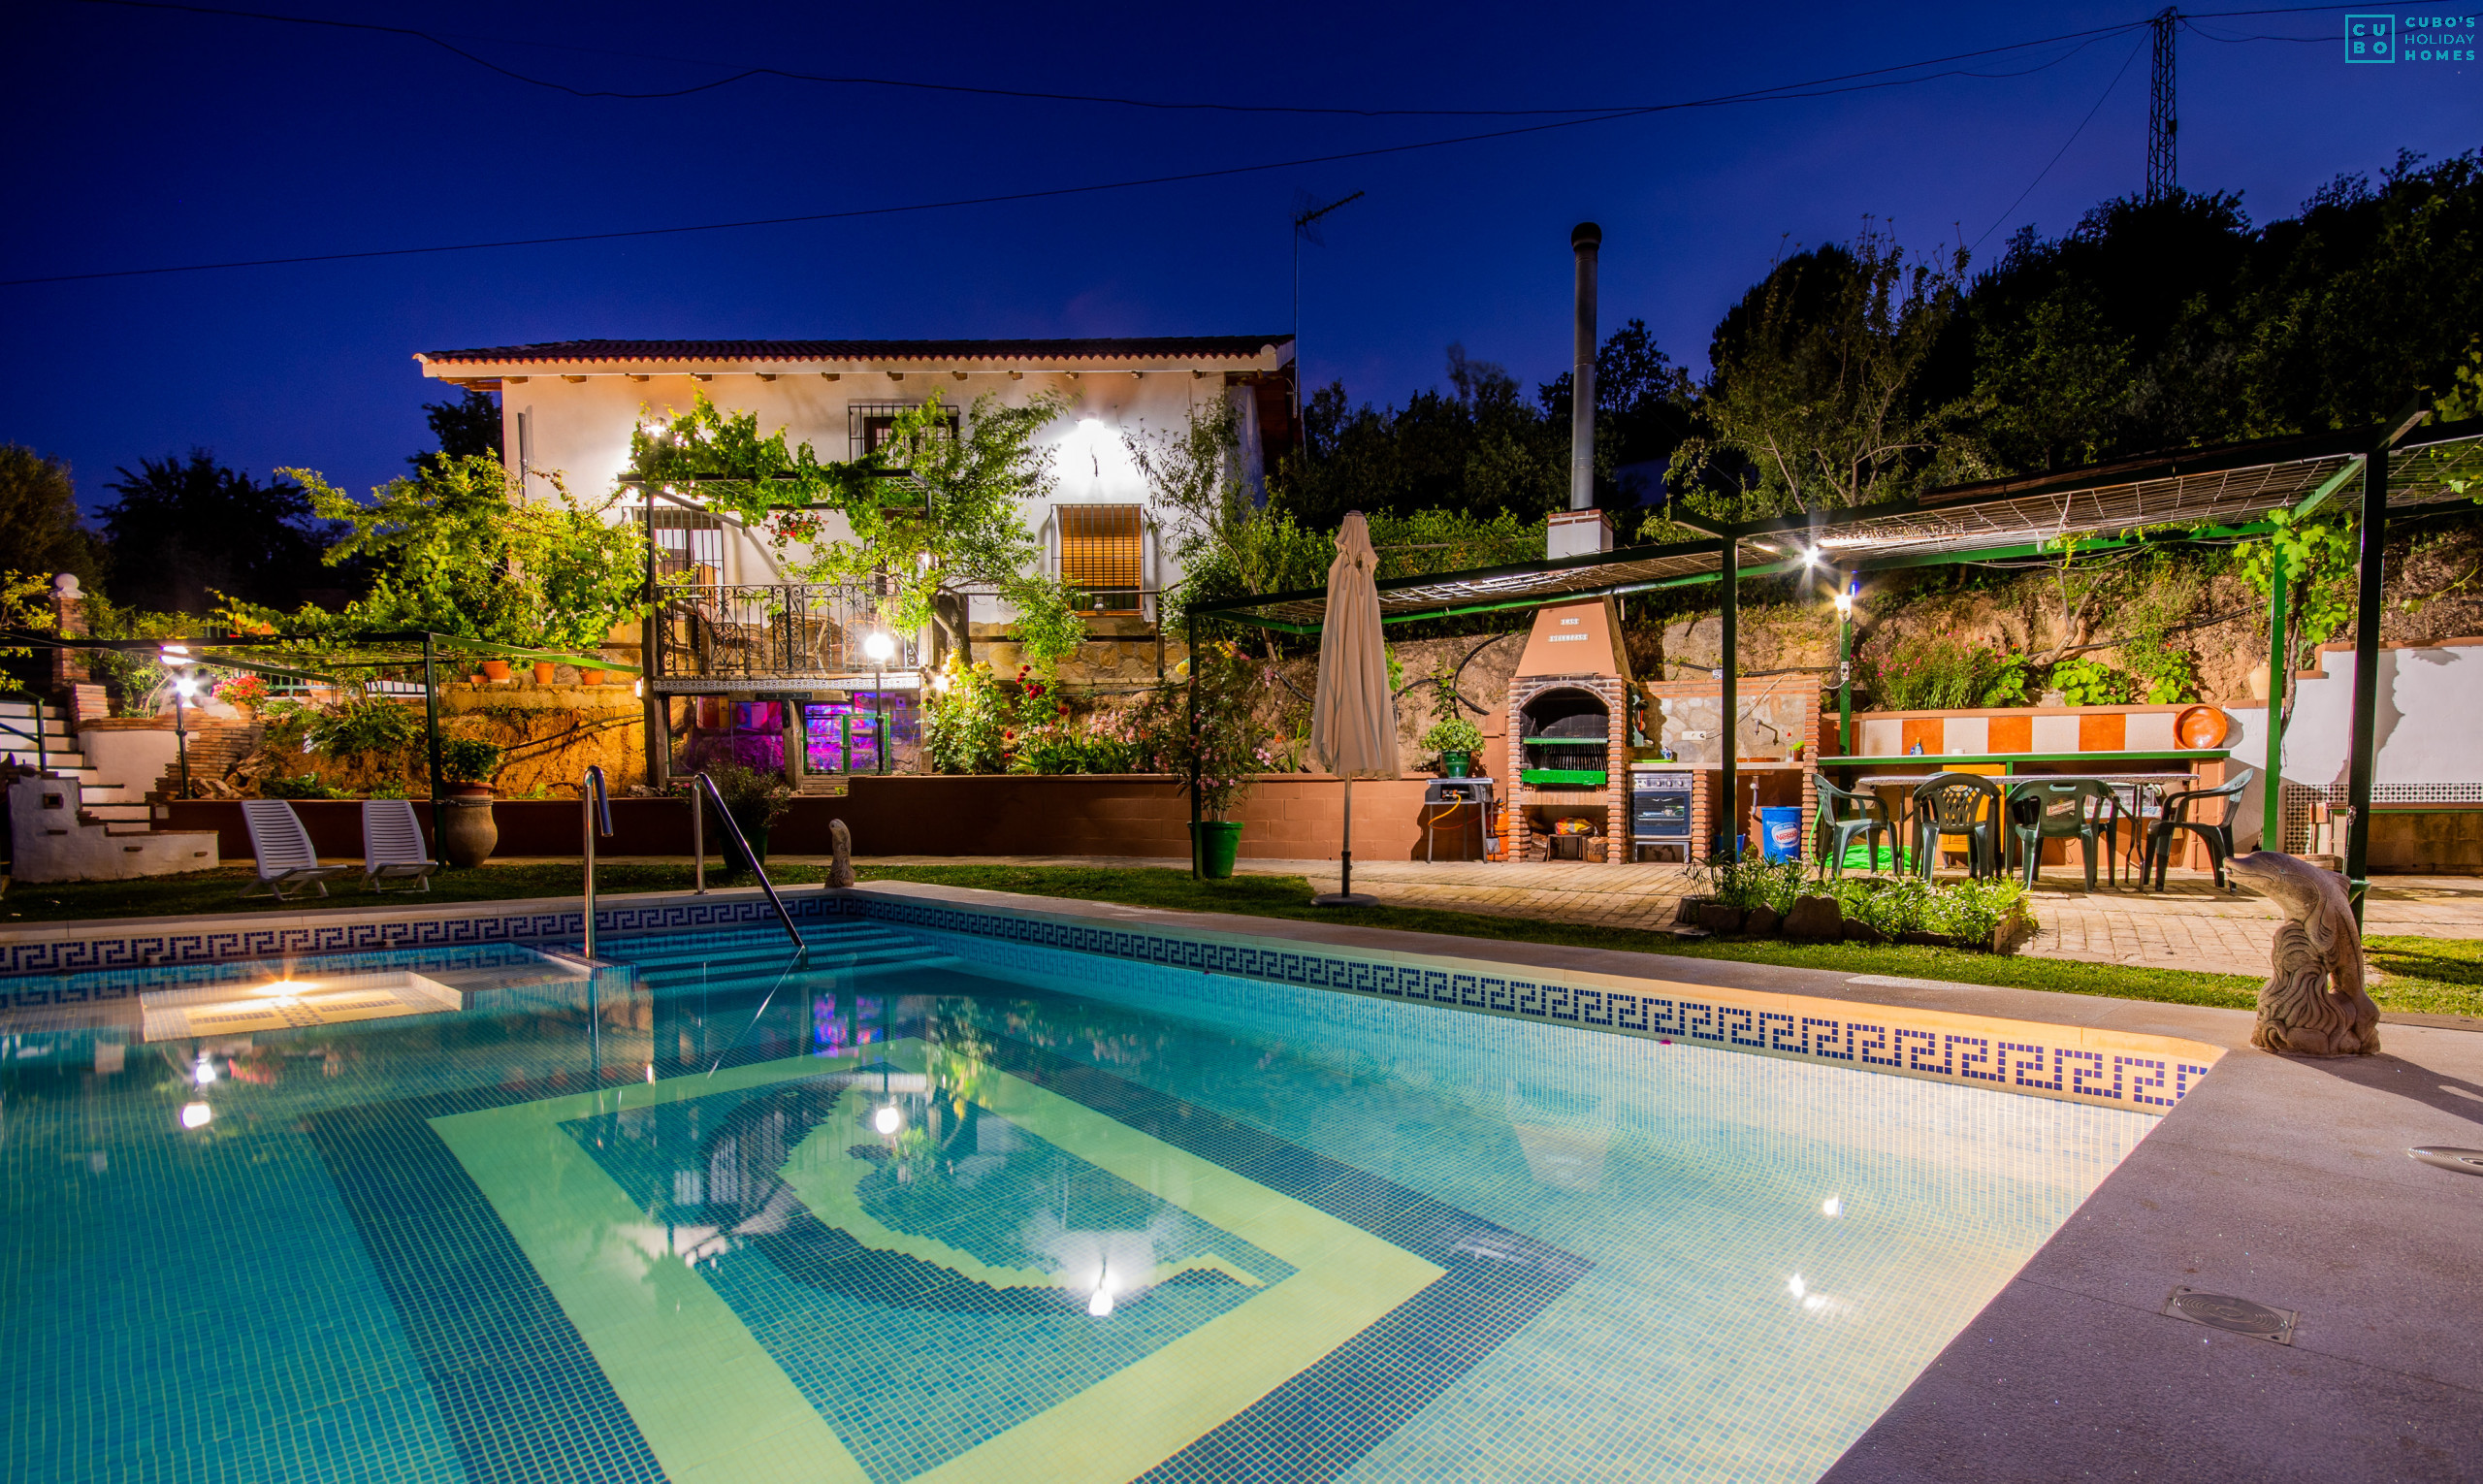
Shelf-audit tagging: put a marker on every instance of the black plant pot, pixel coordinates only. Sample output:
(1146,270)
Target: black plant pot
(735,862)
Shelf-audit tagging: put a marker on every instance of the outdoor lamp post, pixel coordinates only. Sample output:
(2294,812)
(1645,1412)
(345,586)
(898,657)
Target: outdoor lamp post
(1845,666)
(175,657)
(880,644)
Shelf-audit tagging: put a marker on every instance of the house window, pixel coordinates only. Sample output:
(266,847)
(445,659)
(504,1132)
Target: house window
(1100,556)
(868,424)
(688,542)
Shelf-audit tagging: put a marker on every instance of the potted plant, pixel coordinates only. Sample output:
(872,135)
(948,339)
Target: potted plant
(468,765)
(544,671)
(244,694)
(756,800)
(1220,753)
(495,669)
(1457,740)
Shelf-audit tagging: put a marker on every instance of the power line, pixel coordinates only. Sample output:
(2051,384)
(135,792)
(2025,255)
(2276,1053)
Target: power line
(2064,149)
(747,72)
(1850,82)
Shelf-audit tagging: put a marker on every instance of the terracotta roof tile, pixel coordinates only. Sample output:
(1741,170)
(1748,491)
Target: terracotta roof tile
(1168,348)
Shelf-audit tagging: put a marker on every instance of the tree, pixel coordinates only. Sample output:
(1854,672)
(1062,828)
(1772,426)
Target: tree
(1813,404)
(938,509)
(457,550)
(465,429)
(187,529)
(1643,410)
(40,530)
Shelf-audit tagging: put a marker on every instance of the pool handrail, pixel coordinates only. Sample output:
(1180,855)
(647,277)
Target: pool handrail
(732,829)
(590,794)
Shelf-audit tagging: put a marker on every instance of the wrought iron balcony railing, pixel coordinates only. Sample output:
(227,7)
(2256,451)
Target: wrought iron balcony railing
(759,631)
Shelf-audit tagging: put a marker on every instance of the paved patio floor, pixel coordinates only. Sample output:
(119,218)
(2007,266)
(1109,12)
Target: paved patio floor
(2188,925)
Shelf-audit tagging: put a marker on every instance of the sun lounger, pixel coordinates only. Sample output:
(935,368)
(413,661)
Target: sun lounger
(392,847)
(286,861)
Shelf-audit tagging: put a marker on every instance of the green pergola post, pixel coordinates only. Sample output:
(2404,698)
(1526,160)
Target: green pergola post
(1844,666)
(2271,786)
(2368,601)
(1190,637)
(431,732)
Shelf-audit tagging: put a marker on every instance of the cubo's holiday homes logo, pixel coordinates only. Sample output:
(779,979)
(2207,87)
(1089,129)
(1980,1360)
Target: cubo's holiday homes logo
(2416,38)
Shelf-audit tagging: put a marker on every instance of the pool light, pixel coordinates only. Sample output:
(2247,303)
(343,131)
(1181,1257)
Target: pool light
(888,1120)
(1101,1304)
(1833,1207)
(197,1116)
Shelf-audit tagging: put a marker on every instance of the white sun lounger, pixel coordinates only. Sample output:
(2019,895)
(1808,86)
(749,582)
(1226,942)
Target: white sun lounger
(286,861)
(392,847)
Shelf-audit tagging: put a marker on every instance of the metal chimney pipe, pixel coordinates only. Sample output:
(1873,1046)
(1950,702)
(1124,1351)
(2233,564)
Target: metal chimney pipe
(1584,240)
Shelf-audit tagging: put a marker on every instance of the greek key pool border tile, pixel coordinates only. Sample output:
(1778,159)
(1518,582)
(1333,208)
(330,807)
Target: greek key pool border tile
(2144,1073)
(43,962)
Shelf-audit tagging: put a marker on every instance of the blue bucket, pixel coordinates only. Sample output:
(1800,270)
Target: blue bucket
(1780,832)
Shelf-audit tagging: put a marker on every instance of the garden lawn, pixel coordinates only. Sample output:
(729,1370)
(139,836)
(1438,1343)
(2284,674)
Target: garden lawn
(2428,976)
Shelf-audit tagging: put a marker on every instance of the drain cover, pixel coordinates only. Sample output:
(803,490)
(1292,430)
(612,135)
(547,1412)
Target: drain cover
(2466,1161)
(2235,1317)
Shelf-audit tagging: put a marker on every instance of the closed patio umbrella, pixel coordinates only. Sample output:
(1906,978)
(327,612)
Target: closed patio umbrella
(1353,715)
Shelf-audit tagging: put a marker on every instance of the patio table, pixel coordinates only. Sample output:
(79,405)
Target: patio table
(2130,788)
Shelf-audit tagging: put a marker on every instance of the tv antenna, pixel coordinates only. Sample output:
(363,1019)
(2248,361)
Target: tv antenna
(1306,211)
(2163,176)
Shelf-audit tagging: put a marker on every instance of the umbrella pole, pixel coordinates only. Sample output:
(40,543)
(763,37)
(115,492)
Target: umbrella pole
(1345,856)
(1344,895)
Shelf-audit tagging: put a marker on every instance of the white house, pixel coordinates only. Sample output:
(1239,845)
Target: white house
(570,407)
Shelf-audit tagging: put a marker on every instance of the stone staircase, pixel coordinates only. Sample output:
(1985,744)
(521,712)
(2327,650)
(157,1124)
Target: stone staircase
(102,801)
(106,827)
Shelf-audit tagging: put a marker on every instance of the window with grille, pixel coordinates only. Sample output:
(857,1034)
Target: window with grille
(868,424)
(688,541)
(1100,556)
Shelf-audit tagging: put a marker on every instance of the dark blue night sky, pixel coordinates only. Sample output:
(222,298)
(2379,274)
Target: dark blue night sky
(143,137)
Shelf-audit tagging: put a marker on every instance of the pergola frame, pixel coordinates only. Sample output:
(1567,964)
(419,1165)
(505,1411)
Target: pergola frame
(2225,493)
(350,651)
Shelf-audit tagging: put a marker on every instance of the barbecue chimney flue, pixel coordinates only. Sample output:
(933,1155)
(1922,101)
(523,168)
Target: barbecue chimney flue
(1584,240)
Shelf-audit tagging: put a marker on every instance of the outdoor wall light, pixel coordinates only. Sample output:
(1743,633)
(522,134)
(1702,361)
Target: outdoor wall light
(939,683)
(174,655)
(879,645)
(197,1116)
(185,686)
(1843,603)
(203,1073)
(888,1120)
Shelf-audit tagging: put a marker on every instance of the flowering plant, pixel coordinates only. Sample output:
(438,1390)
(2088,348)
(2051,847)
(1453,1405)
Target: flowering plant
(245,692)
(1219,745)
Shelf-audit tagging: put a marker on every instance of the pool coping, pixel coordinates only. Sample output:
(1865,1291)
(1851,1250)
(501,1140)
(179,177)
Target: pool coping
(2282,1180)
(2279,1180)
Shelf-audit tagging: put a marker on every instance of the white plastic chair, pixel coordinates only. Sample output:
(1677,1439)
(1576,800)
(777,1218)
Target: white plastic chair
(392,847)
(287,860)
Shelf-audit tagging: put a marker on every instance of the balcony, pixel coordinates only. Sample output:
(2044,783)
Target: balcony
(730,635)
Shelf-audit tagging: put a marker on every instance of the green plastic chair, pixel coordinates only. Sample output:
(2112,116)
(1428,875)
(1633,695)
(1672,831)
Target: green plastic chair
(1843,813)
(1967,804)
(2057,809)
(2225,798)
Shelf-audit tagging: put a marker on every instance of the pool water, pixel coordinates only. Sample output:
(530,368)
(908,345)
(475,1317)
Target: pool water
(892,1211)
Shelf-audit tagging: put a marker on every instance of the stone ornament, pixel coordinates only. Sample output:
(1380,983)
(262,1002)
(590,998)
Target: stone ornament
(2314,1003)
(839,869)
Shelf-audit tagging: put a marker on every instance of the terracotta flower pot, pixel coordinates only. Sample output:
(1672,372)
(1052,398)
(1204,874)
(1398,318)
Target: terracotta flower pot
(587,677)
(544,670)
(495,669)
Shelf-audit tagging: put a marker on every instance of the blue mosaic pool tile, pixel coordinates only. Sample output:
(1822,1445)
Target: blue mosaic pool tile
(1860,1035)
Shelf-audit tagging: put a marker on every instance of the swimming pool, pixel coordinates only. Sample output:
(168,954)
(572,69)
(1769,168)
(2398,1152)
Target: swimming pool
(943,1203)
